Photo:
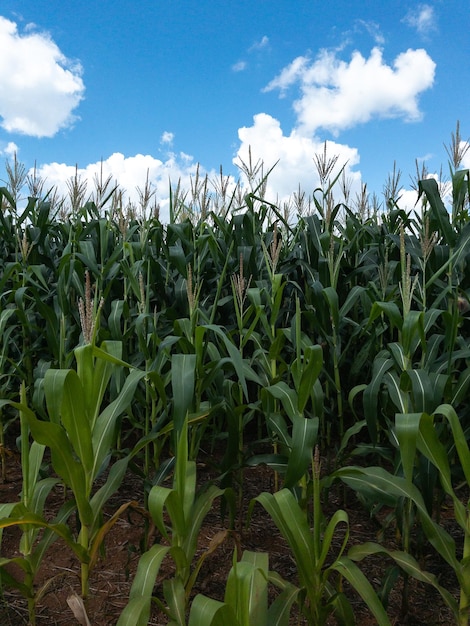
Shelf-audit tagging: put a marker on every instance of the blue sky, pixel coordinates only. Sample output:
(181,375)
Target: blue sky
(161,85)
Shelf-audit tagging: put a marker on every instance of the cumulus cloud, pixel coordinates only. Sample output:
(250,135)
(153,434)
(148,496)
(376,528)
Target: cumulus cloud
(295,155)
(129,173)
(39,87)
(336,95)
(9,150)
(239,66)
(167,138)
(422,18)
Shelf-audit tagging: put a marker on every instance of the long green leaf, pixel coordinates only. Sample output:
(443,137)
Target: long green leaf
(359,582)
(182,382)
(208,612)
(63,459)
(384,487)
(439,215)
(137,611)
(408,564)
(304,437)
(288,397)
(104,432)
(73,413)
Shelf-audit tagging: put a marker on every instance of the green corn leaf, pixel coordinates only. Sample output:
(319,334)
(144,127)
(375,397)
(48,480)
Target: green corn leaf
(459,437)
(279,611)
(398,397)
(22,517)
(339,517)
(49,535)
(331,297)
(9,581)
(380,366)
(199,510)
(351,299)
(110,352)
(115,317)
(63,460)
(406,430)
(5,511)
(390,309)
(137,611)
(36,455)
(461,388)
(383,487)
(313,364)
(184,484)
(101,363)
(42,489)
(67,385)
(398,353)
(112,484)
(234,354)
(277,428)
(158,497)
(292,523)
(288,397)
(412,328)
(87,256)
(430,446)
(208,612)
(359,582)
(277,462)
(439,215)
(422,390)
(304,437)
(54,392)
(258,593)
(460,189)
(104,432)
(408,564)
(182,383)
(245,592)
(175,596)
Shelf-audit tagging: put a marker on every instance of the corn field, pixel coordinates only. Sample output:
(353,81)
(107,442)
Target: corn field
(302,338)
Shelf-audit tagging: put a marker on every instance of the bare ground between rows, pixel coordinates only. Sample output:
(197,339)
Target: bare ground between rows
(111,579)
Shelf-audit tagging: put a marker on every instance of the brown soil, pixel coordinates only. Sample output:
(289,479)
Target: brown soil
(112,577)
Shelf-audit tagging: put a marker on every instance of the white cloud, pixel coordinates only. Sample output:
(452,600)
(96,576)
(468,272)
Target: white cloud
(259,45)
(167,137)
(464,147)
(129,173)
(336,94)
(39,86)
(295,153)
(239,66)
(242,65)
(9,150)
(373,29)
(422,18)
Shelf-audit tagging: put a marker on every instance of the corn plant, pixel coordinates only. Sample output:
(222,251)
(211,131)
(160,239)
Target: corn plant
(34,493)
(81,435)
(422,433)
(186,512)
(320,572)
(246,597)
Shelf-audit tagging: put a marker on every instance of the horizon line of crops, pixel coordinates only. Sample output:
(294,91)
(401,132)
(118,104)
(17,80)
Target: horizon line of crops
(270,337)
